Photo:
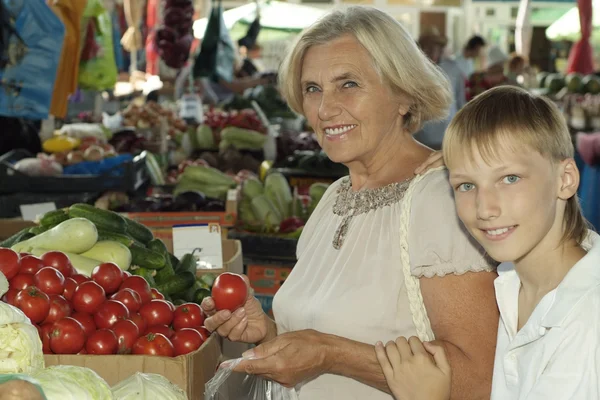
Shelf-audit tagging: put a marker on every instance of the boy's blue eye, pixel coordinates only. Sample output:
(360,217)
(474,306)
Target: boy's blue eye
(510,179)
(465,187)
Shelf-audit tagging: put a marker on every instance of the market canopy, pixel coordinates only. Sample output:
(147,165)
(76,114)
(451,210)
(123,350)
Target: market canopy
(567,27)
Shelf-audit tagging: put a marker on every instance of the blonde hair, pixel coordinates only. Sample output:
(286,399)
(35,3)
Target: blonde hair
(509,114)
(396,57)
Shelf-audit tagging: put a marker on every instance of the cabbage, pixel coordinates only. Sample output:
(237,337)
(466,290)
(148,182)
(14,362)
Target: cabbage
(147,387)
(68,382)
(20,344)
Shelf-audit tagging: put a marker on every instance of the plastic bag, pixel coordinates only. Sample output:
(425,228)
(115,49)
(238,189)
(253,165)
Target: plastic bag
(26,391)
(252,388)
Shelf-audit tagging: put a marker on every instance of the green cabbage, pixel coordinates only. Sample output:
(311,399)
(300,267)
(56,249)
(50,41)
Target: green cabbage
(147,387)
(69,382)
(20,344)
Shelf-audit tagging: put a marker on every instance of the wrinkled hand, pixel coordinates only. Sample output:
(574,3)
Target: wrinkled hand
(435,159)
(411,372)
(290,358)
(248,324)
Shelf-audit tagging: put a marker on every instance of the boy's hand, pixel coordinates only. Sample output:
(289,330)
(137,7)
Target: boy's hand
(411,372)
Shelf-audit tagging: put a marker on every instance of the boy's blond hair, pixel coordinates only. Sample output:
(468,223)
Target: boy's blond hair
(511,115)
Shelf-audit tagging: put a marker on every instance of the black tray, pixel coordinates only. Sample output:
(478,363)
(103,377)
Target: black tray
(133,176)
(9,203)
(273,249)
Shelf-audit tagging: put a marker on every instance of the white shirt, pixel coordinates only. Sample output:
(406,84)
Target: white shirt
(556,355)
(466,65)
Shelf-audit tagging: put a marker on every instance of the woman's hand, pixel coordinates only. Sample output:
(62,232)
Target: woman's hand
(289,359)
(410,371)
(435,159)
(248,324)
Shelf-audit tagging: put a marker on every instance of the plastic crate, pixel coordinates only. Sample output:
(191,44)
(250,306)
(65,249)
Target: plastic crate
(126,177)
(9,203)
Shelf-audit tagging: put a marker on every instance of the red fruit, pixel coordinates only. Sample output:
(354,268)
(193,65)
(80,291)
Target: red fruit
(157,312)
(156,294)
(21,281)
(9,296)
(45,330)
(87,321)
(109,313)
(70,286)
(205,333)
(155,345)
(103,341)
(88,297)
(186,341)
(80,278)
(31,265)
(59,309)
(162,329)
(138,284)
(188,315)
(60,261)
(49,280)
(130,298)
(109,276)
(127,333)
(139,322)
(9,263)
(229,292)
(34,304)
(67,336)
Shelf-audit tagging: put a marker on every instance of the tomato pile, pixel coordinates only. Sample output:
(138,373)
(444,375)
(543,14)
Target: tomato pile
(111,312)
(245,119)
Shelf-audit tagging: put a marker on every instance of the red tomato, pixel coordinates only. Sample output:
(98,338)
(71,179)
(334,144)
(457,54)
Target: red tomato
(70,286)
(45,331)
(24,254)
(162,329)
(60,261)
(170,305)
(80,278)
(103,341)
(9,296)
(139,322)
(83,351)
(205,333)
(130,298)
(88,297)
(34,303)
(31,265)
(229,292)
(157,312)
(154,344)
(67,336)
(109,313)
(49,280)
(87,321)
(9,263)
(126,274)
(20,281)
(188,315)
(186,340)
(59,309)
(138,284)
(127,333)
(109,276)
(156,294)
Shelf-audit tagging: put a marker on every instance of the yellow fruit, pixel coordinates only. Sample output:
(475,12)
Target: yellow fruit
(60,144)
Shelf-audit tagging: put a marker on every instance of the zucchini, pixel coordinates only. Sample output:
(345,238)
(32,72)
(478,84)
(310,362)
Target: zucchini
(143,257)
(75,235)
(145,273)
(122,238)
(167,271)
(36,230)
(177,284)
(188,263)
(18,237)
(53,218)
(103,219)
(138,231)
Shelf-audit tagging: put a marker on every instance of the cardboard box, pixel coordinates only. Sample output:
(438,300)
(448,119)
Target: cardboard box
(190,372)
(232,259)
(9,227)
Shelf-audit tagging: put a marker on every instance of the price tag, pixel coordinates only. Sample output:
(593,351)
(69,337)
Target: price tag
(203,241)
(191,108)
(31,212)
(232,195)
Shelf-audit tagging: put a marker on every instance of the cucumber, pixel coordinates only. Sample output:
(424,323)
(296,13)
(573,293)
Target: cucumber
(179,302)
(177,284)
(188,263)
(207,280)
(53,218)
(36,230)
(122,238)
(103,219)
(167,271)
(188,295)
(174,261)
(200,295)
(143,257)
(18,237)
(145,273)
(138,231)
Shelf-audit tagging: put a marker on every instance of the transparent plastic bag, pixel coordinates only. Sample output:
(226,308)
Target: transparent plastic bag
(224,386)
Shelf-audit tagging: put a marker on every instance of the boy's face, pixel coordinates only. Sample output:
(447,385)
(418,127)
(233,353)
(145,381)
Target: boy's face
(511,203)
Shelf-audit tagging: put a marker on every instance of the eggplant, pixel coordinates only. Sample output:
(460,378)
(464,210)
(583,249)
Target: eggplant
(166,34)
(214,206)
(174,17)
(190,201)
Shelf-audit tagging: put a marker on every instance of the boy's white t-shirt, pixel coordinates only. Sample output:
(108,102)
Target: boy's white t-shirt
(556,355)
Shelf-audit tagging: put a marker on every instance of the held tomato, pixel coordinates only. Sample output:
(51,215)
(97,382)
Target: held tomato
(49,280)
(31,265)
(109,276)
(9,263)
(9,296)
(67,336)
(59,261)
(70,286)
(103,341)
(127,333)
(87,321)
(45,330)
(139,285)
(154,344)
(188,315)
(109,313)
(21,281)
(80,278)
(88,297)
(59,309)
(130,298)
(157,312)
(186,340)
(34,303)
(162,329)
(229,292)
(156,294)
(139,322)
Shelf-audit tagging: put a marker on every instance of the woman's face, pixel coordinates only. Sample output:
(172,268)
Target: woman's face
(354,114)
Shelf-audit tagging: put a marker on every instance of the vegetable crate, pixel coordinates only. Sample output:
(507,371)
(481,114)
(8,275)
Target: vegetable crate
(261,247)
(10,203)
(126,177)
(266,280)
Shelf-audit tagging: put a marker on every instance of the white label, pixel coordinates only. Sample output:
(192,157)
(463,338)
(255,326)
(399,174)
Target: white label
(31,212)
(191,108)
(232,195)
(204,241)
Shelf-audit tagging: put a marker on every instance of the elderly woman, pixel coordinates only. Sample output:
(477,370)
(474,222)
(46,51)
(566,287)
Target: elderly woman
(384,254)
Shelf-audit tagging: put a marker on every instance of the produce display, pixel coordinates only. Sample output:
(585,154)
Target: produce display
(314,163)
(149,115)
(268,98)
(572,83)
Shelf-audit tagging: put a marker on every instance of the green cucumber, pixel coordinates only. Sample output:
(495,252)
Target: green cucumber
(188,295)
(200,295)
(177,284)
(36,230)
(174,262)
(179,302)
(145,273)
(143,257)
(207,280)
(167,271)
(122,238)
(53,218)
(188,263)
(18,237)
(103,219)
(138,231)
